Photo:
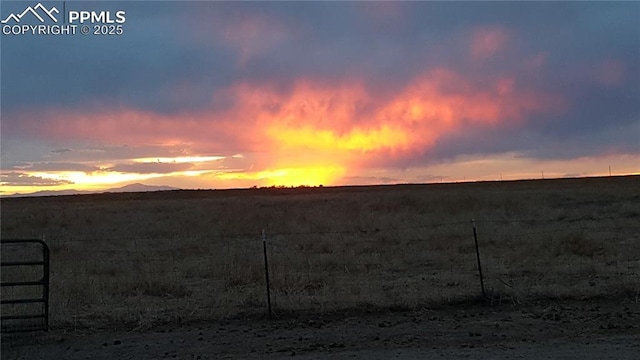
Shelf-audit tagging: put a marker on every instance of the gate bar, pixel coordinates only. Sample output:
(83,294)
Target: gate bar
(22,301)
(22,283)
(21,263)
(16,317)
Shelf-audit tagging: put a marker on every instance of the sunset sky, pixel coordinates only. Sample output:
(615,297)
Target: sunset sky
(226,95)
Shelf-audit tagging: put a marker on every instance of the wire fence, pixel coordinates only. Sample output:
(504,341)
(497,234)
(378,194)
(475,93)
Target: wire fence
(142,281)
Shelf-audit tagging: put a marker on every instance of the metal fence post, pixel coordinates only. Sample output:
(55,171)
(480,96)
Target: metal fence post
(475,239)
(266,271)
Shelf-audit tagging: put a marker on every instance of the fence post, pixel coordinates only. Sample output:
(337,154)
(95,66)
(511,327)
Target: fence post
(266,271)
(46,258)
(475,239)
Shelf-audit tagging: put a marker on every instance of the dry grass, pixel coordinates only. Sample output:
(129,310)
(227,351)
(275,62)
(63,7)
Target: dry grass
(147,258)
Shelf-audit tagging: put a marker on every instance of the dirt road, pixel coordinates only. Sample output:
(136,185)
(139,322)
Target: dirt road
(587,329)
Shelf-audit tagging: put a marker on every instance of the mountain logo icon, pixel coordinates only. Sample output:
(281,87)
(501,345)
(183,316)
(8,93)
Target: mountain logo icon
(36,11)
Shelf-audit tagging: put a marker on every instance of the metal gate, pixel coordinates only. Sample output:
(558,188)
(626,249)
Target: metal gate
(25,285)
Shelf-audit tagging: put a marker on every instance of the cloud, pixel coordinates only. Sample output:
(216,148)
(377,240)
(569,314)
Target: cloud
(365,180)
(486,42)
(341,88)
(48,166)
(316,124)
(537,61)
(150,168)
(610,72)
(254,35)
(21,179)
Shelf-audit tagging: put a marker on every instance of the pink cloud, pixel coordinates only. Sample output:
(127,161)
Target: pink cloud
(248,34)
(383,13)
(610,72)
(538,60)
(313,122)
(487,42)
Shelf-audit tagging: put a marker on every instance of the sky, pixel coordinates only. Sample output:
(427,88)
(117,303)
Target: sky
(213,95)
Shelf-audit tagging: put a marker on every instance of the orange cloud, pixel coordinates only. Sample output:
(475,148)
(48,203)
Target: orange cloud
(320,124)
(439,102)
(317,132)
(121,125)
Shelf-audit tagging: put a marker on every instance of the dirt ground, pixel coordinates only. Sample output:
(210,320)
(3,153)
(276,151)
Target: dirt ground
(544,329)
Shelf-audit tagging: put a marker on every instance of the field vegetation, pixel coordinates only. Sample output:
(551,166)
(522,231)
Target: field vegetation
(135,260)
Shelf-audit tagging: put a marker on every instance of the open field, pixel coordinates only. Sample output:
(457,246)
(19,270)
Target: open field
(356,272)
(138,260)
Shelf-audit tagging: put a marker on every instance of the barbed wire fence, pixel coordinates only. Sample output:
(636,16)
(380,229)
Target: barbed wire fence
(143,281)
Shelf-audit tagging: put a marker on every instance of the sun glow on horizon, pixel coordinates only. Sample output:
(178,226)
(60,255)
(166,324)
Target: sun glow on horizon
(313,134)
(300,176)
(511,166)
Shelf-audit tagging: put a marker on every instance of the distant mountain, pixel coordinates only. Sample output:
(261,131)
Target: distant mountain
(52,193)
(137,187)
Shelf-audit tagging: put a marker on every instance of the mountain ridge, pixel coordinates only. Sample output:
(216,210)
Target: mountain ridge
(135,187)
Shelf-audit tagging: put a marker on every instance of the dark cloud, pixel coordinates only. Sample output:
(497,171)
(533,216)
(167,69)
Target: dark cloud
(48,166)
(150,168)
(174,57)
(371,180)
(60,151)
(21,179)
